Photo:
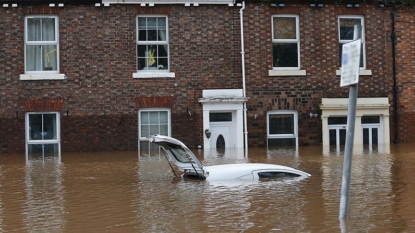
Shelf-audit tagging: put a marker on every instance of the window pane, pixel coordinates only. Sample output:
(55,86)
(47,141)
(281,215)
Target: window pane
(281,142)
(41,29)
(370,119)
(41,57)
(162,50)
(35,126)
(164,130)
(285,55)
(144,118)
(347,28)
(50,60)
(152,35)
(342,133)
(366,136)
(49,126)
(163,117)
(337,120)
(332,137)
(162,64)
(151,22)
(281,124)
(48,29)
(154,129)
(162,35)
(220,116)
(154,117)
(34,58)
(285,28)
(145,130)
(375,136)
(162,22)
(34,29)
(42,151)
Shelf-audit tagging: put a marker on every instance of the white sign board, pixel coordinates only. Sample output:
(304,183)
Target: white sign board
(350,63)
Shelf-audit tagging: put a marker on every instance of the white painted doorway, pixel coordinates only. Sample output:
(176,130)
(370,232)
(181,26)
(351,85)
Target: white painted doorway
(223,118)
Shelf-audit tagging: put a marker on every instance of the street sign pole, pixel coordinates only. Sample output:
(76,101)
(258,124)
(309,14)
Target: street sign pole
(351,117)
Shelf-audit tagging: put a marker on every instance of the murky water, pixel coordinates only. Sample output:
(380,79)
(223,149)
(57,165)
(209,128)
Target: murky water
(122,192)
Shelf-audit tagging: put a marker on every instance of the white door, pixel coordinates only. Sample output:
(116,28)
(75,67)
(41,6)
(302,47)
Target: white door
(220,137)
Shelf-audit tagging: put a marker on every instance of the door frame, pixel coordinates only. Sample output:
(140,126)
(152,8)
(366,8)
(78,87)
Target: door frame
(224,100)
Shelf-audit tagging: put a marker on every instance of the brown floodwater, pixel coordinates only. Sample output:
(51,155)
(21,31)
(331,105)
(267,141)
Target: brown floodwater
(128,192)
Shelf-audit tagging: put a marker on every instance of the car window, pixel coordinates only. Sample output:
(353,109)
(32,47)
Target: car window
(276,175)
(180,155)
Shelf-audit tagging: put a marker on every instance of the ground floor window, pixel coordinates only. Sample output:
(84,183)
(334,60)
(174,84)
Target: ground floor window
(282,129)
(370,130)
(150,122)
(42,135)
(371,124)
(337,131)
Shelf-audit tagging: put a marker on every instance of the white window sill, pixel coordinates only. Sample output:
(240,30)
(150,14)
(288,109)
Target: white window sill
(361,72)
(154,75)
(42,76)
(286,72)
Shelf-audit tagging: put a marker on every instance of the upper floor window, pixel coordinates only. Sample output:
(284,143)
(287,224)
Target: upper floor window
(346,32)
(152,43)
(285,42)
(41,44)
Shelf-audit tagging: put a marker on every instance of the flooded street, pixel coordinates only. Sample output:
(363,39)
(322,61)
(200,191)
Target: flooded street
(122,192)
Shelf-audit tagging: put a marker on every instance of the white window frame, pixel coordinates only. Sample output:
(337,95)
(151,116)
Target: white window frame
(282,136)
(370,126)
(43,74)
(168,110)
(362,20)
(154,73)
(291,41)
(42,141)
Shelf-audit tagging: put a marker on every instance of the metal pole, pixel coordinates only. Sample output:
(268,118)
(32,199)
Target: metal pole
(348,151)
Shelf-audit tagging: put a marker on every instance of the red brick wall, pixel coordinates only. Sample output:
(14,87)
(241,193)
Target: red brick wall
(319,54)
(97,54)
(405,73)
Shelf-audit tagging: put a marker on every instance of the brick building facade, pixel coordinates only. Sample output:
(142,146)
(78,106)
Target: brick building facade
(101,93)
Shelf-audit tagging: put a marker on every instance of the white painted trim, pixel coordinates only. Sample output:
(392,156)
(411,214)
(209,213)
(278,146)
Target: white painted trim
(361,72)
(287,72)
(154,75)
(42,76)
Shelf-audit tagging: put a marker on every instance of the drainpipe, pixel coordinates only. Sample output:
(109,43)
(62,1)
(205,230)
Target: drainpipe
(243,76)
(395,88)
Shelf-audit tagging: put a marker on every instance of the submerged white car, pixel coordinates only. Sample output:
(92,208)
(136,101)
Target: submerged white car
(191,167)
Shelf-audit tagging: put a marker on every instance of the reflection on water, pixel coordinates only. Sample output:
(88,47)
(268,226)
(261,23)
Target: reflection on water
(122,192)
(44,204)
